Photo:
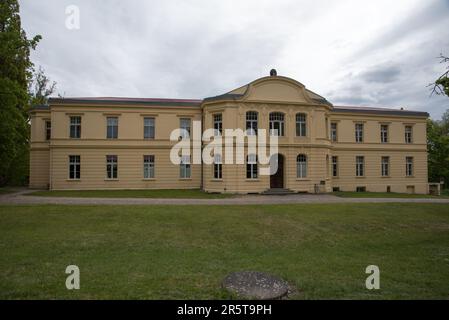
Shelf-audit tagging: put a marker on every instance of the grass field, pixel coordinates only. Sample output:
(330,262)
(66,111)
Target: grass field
(168,252)
(345,194)
(161,193)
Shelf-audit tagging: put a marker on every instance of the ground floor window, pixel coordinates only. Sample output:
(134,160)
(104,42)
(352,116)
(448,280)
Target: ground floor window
(111,167)
(409,166)
(148,167)
(334,166)
(361,189)
(385,164)
(218,168)
(74,167)
(359,166)
(251,166)
(185,167)
(301,166)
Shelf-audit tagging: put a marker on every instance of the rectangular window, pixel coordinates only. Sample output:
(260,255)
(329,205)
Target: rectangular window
(409,166)
(359,166)
(384,133)
(148,128)
(112,127)
(408,134)
(360,189)
(251,123)
(47,130)
(218,173)
(359,132)
(385,166)
(334,166)
(148,167)
(184,125)
(301,166)
(334,131)
(218,124)
(185,167)
(74,167)
(251,166)
(75,127)
(300,125)
(111,167)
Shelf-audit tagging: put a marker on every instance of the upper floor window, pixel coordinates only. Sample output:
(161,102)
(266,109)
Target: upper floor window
(359,132)
(184,125)
(218,167)
(276,124)
(359,166)
(75,127)
(301,166)
(47,130)
(384,133)
(148,166)
(301,125)
(334,131)
(185,168)
(385,166)
(111,167)
(148,128)
(218,124)
(74,167)
(408,134)
(251,166)
(409,166)
(112,128)
(334,166)
(251,123)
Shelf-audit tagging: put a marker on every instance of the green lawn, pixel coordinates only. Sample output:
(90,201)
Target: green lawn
(171,252)
(168,193)
(345,194)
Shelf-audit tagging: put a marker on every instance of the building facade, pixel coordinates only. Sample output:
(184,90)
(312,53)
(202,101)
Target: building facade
(124,143)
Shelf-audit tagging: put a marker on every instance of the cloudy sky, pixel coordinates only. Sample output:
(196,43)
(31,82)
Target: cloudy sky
(369,53)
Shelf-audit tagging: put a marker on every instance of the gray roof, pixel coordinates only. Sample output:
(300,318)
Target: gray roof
(385,111)
(127,101)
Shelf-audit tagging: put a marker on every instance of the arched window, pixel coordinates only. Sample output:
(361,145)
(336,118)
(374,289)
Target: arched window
(276,124)
(301,126)
(301,166)
(251,166)
(251,123)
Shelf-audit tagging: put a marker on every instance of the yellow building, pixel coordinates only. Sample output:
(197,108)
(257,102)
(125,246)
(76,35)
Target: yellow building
(124,143)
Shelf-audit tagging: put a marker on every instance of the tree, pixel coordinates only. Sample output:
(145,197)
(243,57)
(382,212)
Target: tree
(438,149)
(441,85)
(40,88)
(16,71)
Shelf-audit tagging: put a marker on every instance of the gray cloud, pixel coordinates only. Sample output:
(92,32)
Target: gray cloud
(195,49)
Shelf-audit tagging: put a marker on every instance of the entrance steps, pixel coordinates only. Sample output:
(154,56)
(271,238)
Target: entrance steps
(278,192)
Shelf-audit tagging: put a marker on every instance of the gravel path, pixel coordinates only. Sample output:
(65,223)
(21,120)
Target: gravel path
(19,197)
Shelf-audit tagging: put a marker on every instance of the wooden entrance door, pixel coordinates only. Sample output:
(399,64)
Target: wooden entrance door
(277,179)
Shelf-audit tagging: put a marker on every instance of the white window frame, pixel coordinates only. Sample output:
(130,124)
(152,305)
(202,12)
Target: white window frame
(252,171)
(185,168)
(185,125)
(301,124)
(252,123)
(334,133)
(408,134)
(148,166)
(301,166)
(335,166)
(360,166)
(75,164)
(409,166)
(359,128)
(111,164)
(112,123)
(218,124)
(384,133)
(149,128)
(277,119)
(385,166)
(76,126)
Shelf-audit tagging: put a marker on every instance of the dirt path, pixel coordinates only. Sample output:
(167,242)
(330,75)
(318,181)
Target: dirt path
(20,198)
